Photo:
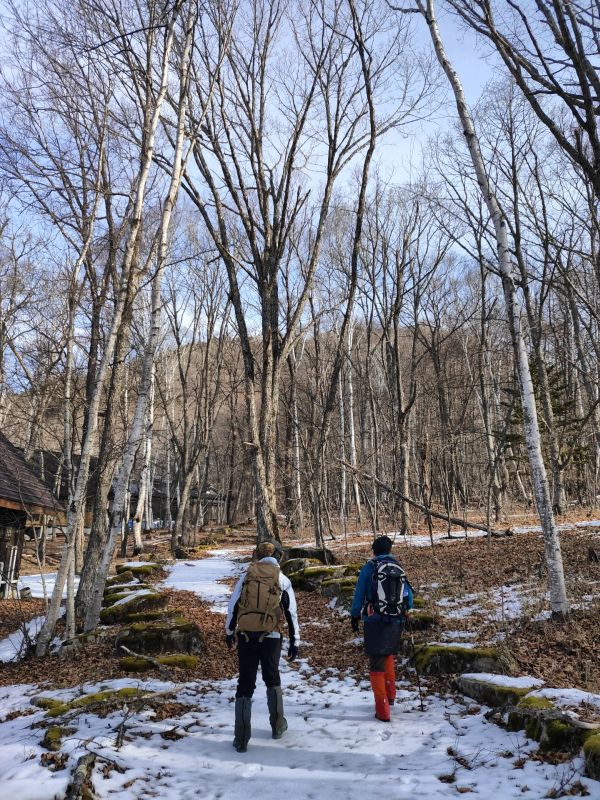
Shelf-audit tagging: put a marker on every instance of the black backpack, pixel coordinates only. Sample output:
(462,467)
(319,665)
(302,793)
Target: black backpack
(387,588)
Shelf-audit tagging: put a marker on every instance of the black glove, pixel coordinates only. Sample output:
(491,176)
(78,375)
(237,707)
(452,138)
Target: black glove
(355,622)
(292,651)
(229,640)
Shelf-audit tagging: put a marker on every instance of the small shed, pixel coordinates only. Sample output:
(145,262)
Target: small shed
(24,498)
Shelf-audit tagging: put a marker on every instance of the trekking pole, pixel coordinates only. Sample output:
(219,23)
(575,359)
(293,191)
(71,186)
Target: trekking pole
(414,658)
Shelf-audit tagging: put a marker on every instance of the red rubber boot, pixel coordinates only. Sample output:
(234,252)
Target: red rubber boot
(382,706)
(390,679)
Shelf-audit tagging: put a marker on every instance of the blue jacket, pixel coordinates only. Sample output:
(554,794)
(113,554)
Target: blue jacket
(362,591)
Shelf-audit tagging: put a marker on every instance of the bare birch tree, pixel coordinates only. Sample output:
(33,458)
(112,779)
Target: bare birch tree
(556,580)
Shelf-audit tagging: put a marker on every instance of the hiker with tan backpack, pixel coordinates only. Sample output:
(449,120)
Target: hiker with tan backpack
(263,596)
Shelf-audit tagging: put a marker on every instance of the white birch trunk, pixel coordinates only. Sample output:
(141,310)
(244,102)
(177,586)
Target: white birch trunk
(77,490)
(92,615)
(138,518)
(296,461)
(296,465)
(70,626)
(556,580)
(351,428)
(141,512)
(168,516)
(343,480)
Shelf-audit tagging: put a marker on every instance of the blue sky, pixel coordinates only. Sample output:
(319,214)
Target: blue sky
(399,155)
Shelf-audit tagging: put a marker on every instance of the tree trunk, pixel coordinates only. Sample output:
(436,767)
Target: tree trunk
(556,579)
(144,390)
(351,427)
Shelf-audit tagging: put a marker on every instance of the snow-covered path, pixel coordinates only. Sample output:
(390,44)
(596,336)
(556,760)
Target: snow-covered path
(203,577)
(334,747)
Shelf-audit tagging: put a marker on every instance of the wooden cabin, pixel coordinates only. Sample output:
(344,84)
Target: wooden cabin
(24,501)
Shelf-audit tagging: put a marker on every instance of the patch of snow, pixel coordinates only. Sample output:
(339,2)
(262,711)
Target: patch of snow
(521,682)
(117,587)
(542,616)
(462,612)
(10,648)
(34,582)
(508,602)
(130,595)
(201,577)
(133,564)
(462,645)
(569,698)
(564,526)
(458,601)
(450,635)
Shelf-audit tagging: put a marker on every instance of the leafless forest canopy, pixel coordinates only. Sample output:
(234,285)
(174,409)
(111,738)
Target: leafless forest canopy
(216,286)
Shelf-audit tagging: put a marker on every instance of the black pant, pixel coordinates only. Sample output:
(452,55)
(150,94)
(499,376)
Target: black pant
(377,663)
(251,653)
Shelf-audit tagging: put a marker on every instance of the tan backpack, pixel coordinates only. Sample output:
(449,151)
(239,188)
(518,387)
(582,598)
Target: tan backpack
(259,609)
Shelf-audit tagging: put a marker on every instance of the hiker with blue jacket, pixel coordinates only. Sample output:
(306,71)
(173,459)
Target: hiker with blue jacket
(262,598)
(382,598)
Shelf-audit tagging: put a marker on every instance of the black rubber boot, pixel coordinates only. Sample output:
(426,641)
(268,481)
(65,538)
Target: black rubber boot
(275,703)
(242,731)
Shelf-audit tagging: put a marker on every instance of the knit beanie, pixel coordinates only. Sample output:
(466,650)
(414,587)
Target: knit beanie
(265,549)
(382,545)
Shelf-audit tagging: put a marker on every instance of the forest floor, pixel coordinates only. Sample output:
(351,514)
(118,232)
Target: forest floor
(480,591)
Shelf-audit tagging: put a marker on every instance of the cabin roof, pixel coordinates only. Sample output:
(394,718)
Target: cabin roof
(20,487)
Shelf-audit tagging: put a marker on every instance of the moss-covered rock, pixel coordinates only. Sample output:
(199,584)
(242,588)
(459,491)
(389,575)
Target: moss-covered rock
(121,577)
(53,737)
(418,602)
(591,752)
(72,647)
(116,588)
(298,564)
(489,693)
(332,587)
(340,588)
(558,735)
(175,635)
(439,659)
(311,578)
(153,616)
(309,552)
(543,722)
(88,701)
(534,701)
(179,660)
(422,621)
(110,598)
(143,568)
(46,702)
(135,664)
(525,716)
(136,601)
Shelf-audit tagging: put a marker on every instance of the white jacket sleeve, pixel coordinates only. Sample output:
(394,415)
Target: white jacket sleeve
(286,586)
(233,600)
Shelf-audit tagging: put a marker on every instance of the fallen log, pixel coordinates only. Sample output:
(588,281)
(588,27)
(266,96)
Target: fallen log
(164,672)
(80,780)
(424,509)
